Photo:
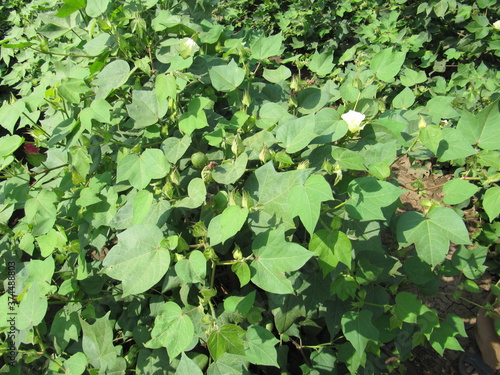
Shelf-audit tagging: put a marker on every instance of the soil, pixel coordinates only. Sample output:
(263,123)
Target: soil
(424,185)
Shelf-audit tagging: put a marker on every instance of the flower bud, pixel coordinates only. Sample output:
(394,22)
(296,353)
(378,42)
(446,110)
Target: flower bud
(303,165)
(422,124)
(237,254)
(265,155)
(237,145)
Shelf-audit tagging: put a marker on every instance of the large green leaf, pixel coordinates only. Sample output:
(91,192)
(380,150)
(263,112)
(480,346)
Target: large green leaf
(259,345)
(482,129)
(114,75)
(305,200)
(139,260)
(331,247)
(359,329)
(273,257)
(265,47)
(432,235)
(270,190)
(226,78)
(295,134)
(32,308)
(227,224)
(491,202)
(371,199)
(145,108)
(386,64)
(139,170)
(230,172)
(457,190)
(226,339)
(173,329)
(97,343)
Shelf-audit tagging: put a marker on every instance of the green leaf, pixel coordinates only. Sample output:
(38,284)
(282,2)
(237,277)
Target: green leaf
(242,270)
(76,364)
(296,134)
(432,235)
(197,193)
(412,77)
(270,190)
(114,75)
(95,8)
(453,146)
(10,114)
(371,199)
(443,337)
(229,173)
(69,7)
(470,261)
(482,129)
(305,200)
(265,47)
(97,343)
(458,190)
(386,64)
(172,329)
(145,108)
(32,308)
(408,308)
(359,329)
(348,159)
(321,63)
(227,224)
(187,367)
(270,114)
(143,201)
(139,170)
(138,260)
(229,364)
(273,257)
(491,202)
(41,212)
(195,117)
(404,99)
(260,346)
(226,339)
(226,78)
(277,75)
(240,304)
(331,248)
(9,144)
(192,269)
(174,148)
(328,126)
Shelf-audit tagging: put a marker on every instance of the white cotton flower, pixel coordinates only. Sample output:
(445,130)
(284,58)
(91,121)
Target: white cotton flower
(188,48)
(354,120)
(496,25)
